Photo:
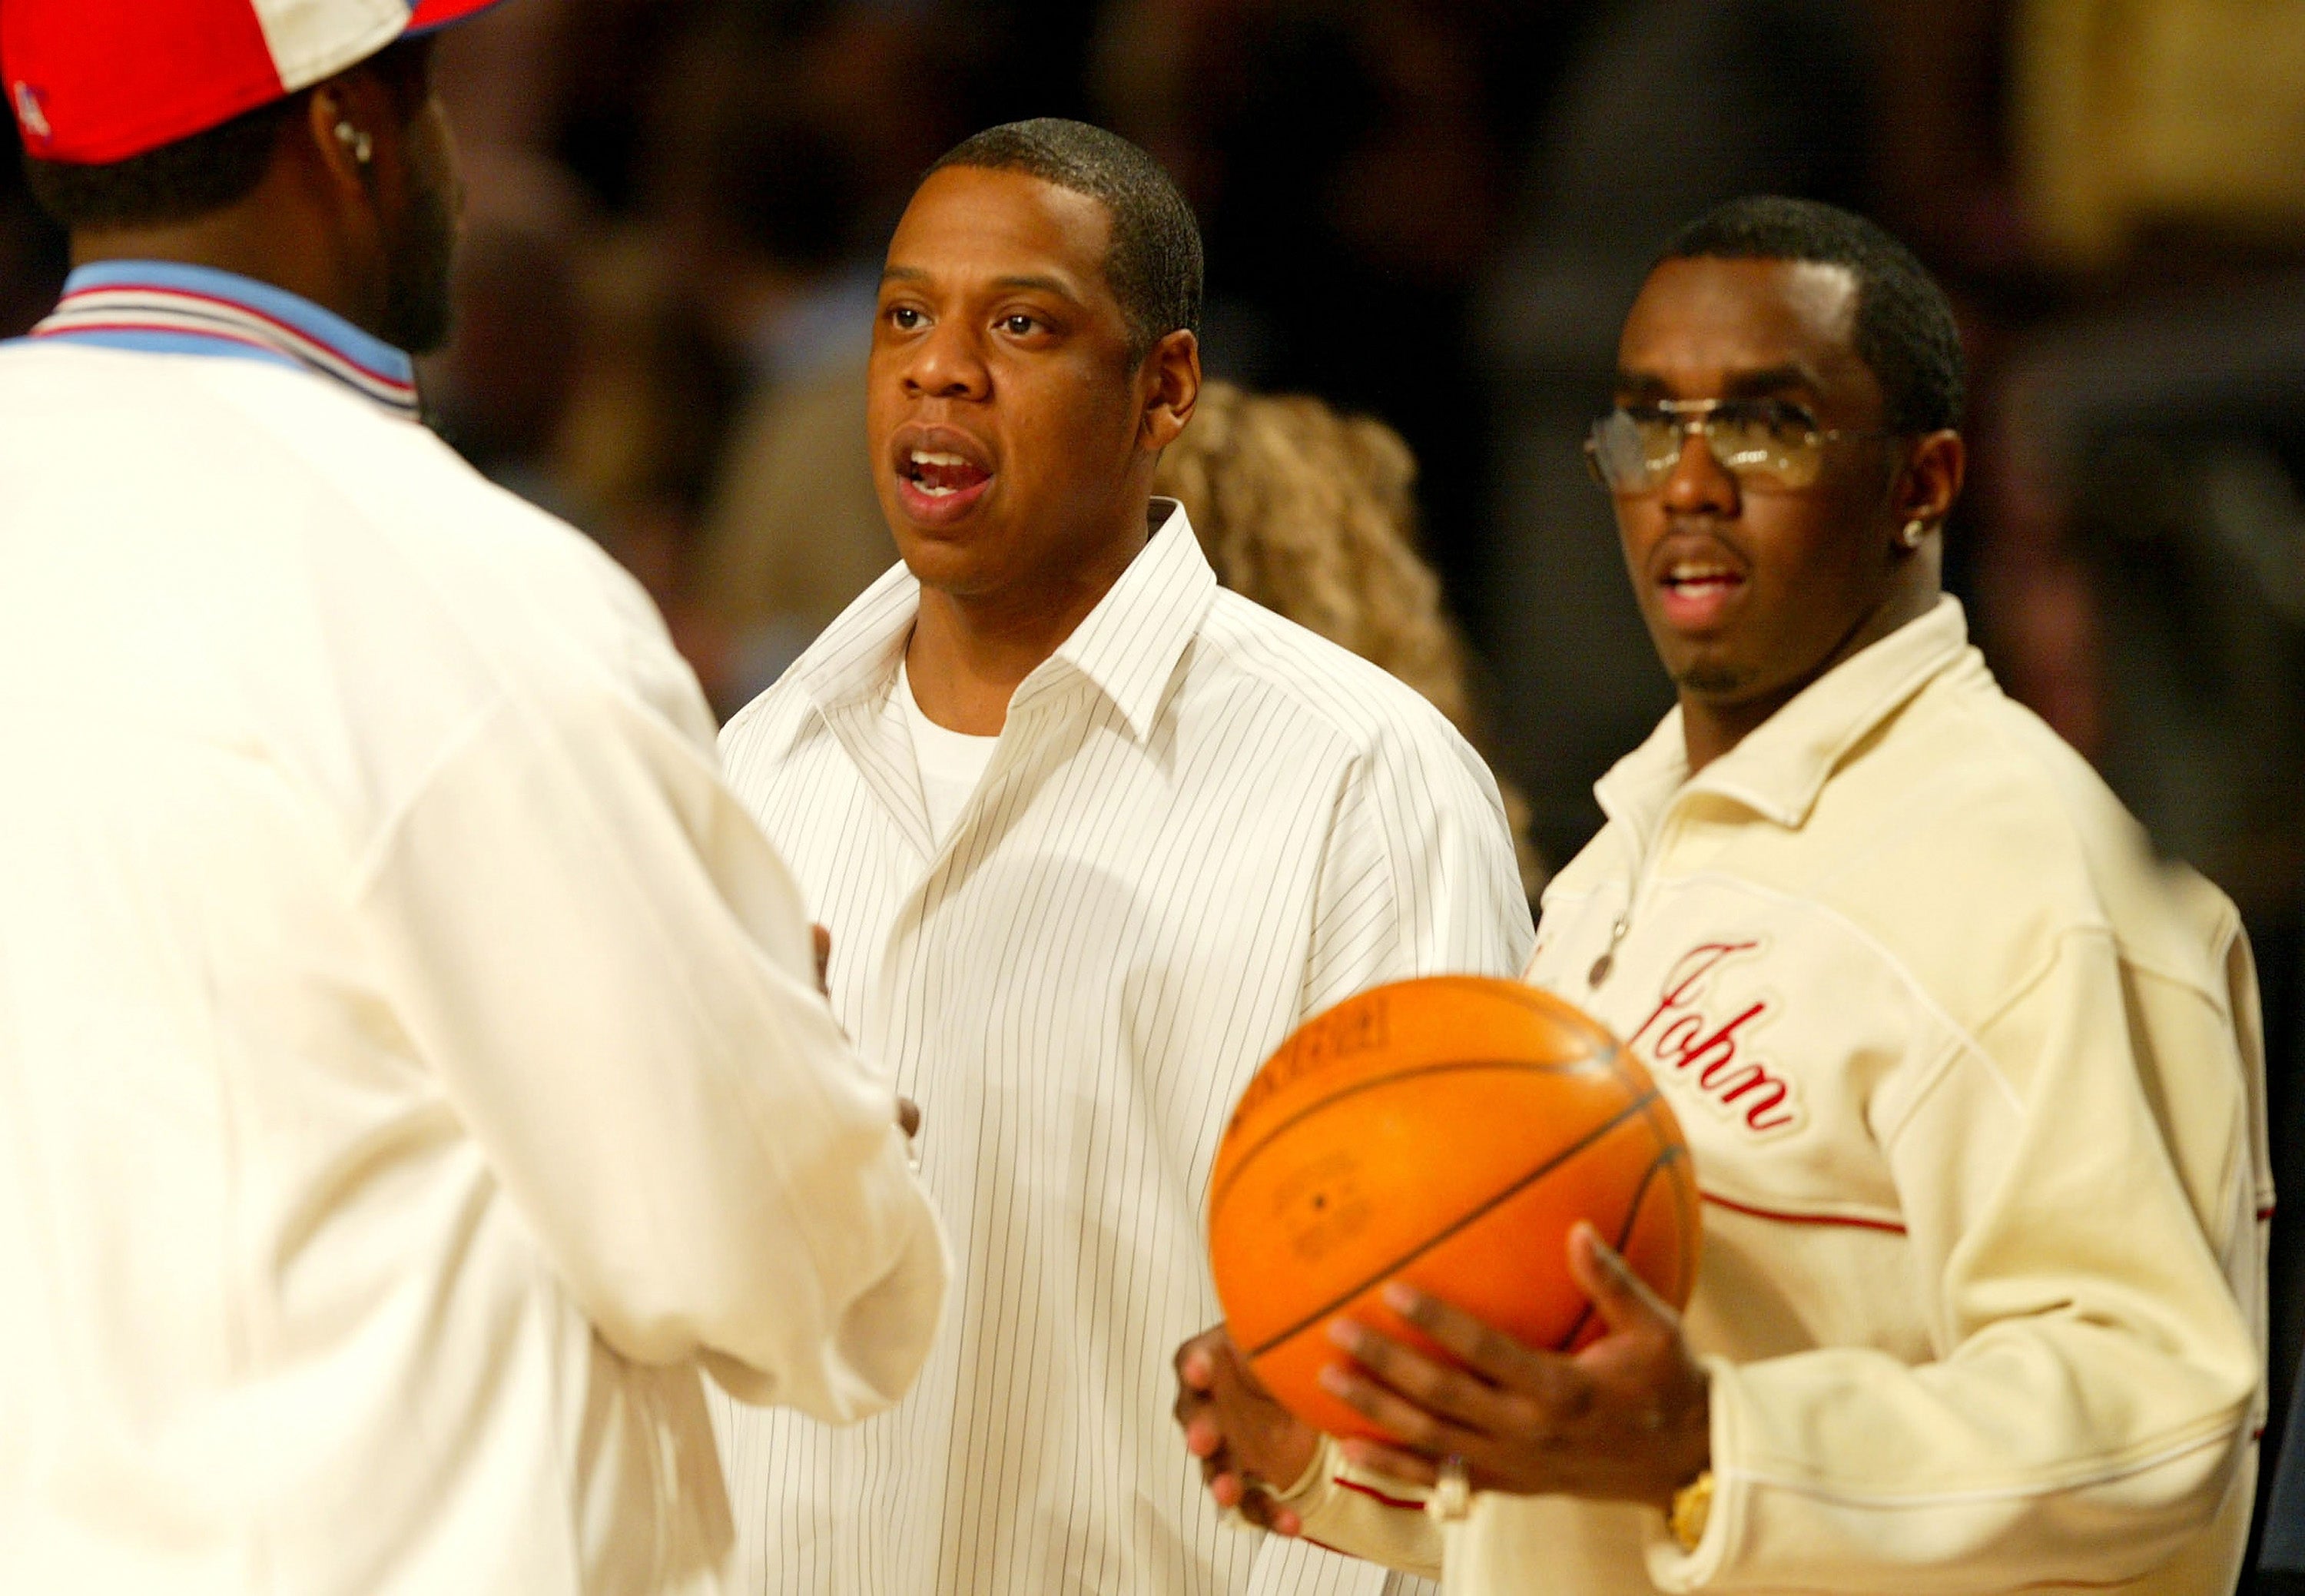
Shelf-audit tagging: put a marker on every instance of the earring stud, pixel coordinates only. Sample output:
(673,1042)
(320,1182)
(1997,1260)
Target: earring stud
(1914,533)
(362,146)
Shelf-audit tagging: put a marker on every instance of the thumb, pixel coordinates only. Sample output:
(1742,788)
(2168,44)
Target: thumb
(1623,1298)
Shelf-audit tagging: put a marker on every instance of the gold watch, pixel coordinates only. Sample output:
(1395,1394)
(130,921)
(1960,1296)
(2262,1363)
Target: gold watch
(1692,1504)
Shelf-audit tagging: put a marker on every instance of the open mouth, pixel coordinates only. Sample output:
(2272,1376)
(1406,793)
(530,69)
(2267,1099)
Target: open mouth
(941,474)
(937,473)
(1697,590)
(1693,579)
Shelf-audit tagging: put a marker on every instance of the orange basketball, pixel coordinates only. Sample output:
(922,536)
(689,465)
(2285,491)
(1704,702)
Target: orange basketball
(1447,1132)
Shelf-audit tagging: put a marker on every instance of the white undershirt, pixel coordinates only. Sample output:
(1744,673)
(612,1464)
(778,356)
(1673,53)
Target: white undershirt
(951,763)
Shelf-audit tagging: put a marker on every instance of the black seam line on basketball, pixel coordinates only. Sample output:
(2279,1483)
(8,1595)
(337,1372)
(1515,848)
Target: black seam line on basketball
(1216,1198)
(1665,1155)
(1676,1153)
(1615,1059)
(1692,1203)
(1430,1242)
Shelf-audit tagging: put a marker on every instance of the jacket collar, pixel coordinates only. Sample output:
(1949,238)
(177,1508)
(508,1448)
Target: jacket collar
(168,308)
(1780,767)
(1127,646)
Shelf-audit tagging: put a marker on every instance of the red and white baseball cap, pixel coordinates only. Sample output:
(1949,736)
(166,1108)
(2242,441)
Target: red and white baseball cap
(100,80)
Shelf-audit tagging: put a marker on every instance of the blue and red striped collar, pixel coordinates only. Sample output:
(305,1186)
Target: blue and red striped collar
(163,307)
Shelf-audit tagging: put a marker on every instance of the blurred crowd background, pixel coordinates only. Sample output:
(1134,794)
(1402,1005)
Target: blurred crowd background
(1434,213)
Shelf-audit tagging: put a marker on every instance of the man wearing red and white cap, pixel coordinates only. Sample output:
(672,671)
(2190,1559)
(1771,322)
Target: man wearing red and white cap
(411,1072)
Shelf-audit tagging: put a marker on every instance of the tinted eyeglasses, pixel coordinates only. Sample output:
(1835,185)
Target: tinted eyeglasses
(1762,443)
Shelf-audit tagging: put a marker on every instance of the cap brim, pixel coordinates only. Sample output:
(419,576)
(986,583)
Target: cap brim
(431,14)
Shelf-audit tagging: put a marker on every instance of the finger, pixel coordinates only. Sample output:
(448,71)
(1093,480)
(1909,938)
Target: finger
(1203,1436)
(1189,1403)
(1398,1416)
(1391,1462)
(1256,1506)
(1485,1349)
(1432,1386)
(1195,1368)
(1196,1358)
(1624,1299)
(1255,1502)
(1217,1463)
(1261,1508)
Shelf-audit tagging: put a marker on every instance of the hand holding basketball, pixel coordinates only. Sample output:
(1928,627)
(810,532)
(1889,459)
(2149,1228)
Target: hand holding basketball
(1627,1419)
(1247,1443)
(1445,1133)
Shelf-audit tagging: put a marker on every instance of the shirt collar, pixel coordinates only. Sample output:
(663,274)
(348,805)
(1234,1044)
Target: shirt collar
(1127,646)
(166,307)
(1780,767)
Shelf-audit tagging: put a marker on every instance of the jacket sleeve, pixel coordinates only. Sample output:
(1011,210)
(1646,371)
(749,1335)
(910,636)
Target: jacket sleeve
(611,971)
(1364,1515)
(1418,877)
(2087,1413)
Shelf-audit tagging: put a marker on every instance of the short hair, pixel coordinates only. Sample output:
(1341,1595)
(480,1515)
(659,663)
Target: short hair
(203,172)
(177,182)
(1155,267)
(1905,330)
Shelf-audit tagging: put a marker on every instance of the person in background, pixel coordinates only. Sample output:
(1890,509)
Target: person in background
(791,531)
(787,145)
(1972,1081)
(412,1077)
(1312,514)
(1091,836)
(649,405)
(500,390)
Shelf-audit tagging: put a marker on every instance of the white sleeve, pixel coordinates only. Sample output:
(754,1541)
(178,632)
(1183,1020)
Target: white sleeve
(1419,877)
(2089,1415)
(611,971)
(1364,1515)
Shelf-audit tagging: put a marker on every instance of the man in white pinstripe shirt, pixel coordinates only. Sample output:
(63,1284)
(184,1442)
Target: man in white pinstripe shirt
(1091,837)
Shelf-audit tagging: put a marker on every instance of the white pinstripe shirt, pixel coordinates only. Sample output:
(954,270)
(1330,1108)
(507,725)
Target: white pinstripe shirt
(1202,824)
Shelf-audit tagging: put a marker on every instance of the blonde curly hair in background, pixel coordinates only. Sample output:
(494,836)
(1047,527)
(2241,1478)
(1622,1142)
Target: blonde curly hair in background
(1313,515)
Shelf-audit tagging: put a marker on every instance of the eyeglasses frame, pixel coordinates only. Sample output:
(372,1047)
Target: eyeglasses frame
(1693,417)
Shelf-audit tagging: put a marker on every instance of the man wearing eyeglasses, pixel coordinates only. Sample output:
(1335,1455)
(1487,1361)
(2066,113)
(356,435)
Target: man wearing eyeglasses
(1972,1081)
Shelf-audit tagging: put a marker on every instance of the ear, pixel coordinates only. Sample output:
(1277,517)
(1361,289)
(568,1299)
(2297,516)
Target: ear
(1172,378)
(1930,483)
(343,141)
(357,130)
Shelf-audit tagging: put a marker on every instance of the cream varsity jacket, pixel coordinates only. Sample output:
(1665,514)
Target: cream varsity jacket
(1974,1085)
